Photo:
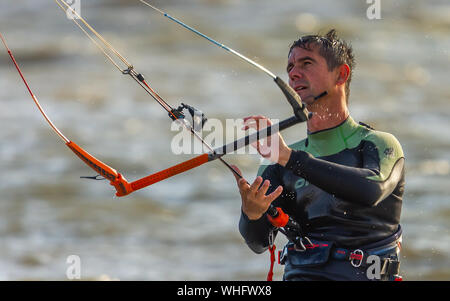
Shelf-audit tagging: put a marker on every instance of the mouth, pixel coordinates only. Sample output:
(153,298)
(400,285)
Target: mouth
(300,88)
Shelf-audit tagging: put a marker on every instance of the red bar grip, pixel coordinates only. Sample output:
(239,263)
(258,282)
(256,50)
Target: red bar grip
(280,220)
(169,172)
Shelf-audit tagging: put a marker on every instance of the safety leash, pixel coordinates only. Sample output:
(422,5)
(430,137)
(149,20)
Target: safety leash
(272,249)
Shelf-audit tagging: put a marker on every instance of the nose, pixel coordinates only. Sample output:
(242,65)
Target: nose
(295,74)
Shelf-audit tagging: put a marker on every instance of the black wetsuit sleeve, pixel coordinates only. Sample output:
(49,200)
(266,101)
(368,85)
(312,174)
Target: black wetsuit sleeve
(256,232)
(375,180)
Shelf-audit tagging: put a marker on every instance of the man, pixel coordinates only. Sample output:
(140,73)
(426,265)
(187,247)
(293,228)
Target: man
(343,184)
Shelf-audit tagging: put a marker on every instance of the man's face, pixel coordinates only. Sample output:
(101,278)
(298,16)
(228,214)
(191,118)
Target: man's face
(308,73)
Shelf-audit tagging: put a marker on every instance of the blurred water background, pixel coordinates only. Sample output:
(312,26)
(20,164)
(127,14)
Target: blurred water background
(185,228)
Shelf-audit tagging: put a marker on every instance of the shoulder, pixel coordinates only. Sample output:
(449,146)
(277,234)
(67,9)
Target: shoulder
(388,149)
(386,143)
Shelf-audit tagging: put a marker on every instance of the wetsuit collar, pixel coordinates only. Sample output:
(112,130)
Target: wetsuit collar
(332,140)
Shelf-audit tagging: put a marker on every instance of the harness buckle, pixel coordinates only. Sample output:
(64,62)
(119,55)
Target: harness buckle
(357,255)
(300,246)
(271,239)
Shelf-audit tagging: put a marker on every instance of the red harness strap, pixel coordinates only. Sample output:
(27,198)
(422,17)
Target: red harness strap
(272,261)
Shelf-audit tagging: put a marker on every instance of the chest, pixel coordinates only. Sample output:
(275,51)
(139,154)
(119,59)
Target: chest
(311,200)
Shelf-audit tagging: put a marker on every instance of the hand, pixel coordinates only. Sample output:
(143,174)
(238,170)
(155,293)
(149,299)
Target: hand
(254,201)
(273,147)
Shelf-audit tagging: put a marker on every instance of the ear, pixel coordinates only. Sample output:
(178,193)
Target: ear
(343,74)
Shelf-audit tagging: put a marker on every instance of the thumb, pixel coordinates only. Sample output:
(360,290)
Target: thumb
(238,171)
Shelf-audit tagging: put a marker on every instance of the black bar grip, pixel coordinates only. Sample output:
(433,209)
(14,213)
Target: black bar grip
(293,98)
(272,211)
(261,134)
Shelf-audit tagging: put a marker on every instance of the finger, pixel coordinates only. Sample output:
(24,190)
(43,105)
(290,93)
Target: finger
(266,149)
(260,119)
(263,189)
(256,120)
(276,193)
(255,185)
(264,123)
(255,117)
(246,126)
(241,181)
(243,185)
(262,149)
(250,123)
(255,145)
(243,188)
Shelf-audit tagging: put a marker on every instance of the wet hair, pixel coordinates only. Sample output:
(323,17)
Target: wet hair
(333,49)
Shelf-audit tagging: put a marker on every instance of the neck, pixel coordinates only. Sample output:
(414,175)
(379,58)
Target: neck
(333,140)
(326,116)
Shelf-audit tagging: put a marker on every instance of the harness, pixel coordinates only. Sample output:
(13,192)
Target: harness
(381,256)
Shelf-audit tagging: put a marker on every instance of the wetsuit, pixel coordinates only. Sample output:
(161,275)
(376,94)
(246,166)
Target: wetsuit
(344,186)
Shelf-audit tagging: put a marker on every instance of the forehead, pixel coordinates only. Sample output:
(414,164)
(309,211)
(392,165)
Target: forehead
(299,53)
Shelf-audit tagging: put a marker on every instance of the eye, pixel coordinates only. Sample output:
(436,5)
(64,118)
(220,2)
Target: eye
(289,68)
